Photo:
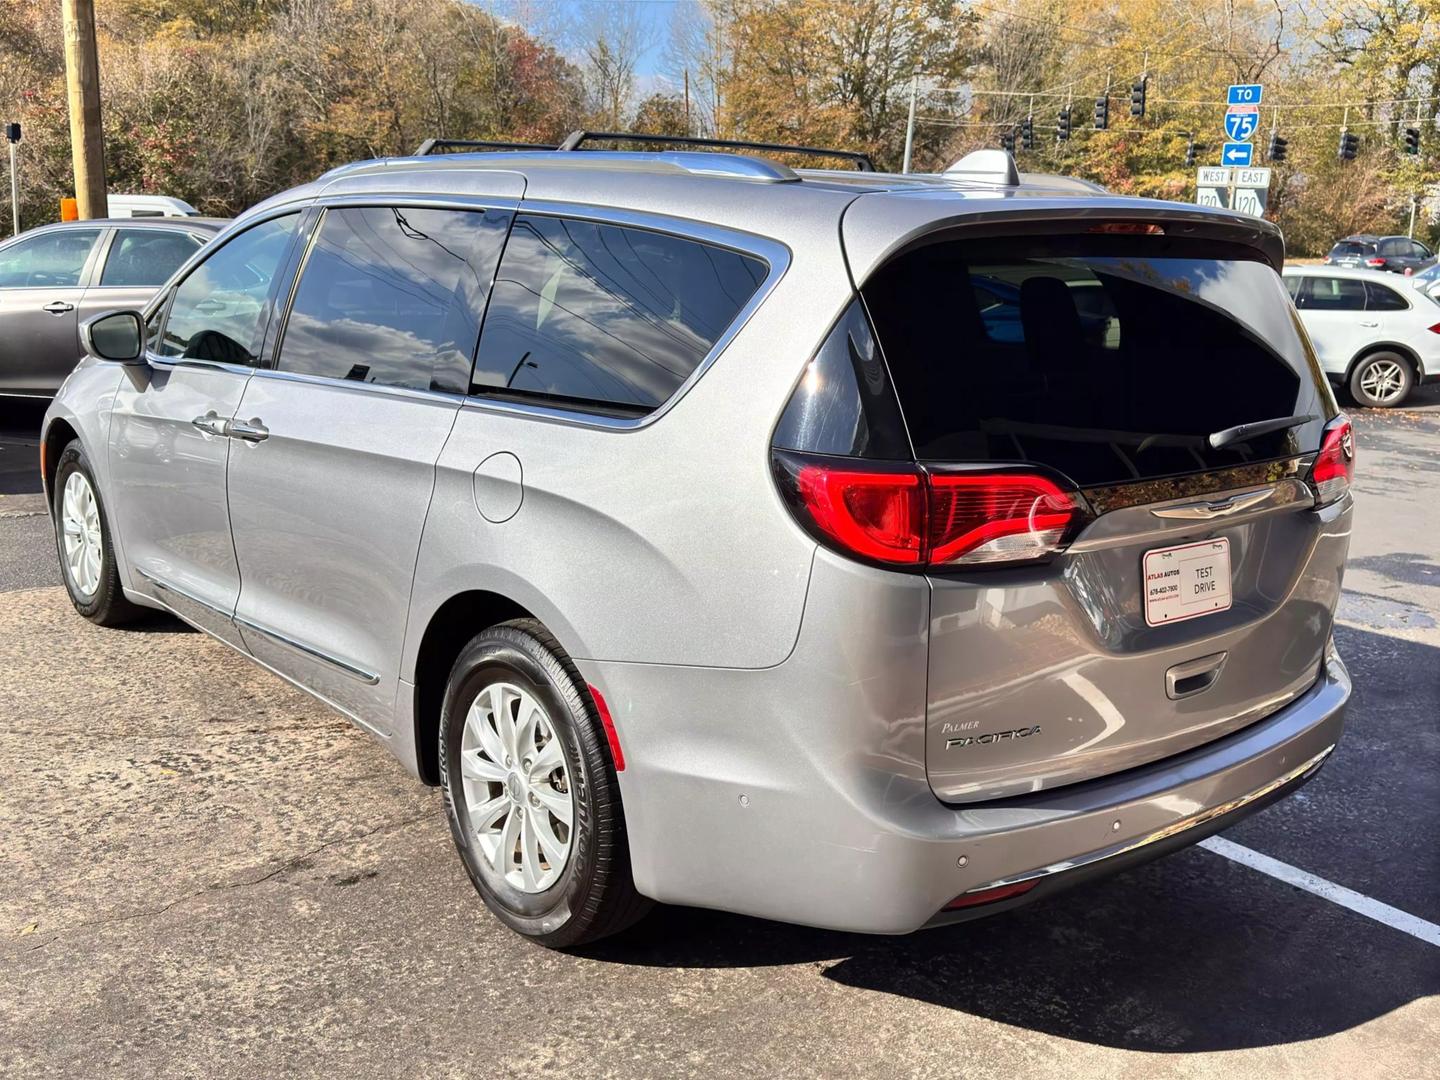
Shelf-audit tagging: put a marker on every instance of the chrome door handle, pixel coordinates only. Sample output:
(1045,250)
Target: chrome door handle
(58,307)
(251,430)
(1364,323)
(212,424)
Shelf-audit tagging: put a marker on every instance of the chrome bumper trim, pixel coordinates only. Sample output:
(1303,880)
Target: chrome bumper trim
(1183,825)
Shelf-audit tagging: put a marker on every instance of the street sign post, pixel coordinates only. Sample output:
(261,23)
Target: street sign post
(1245,94)
(1236,153)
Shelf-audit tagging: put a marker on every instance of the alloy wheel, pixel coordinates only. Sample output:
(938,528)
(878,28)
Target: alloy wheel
(1383,380)
(517,787)
(80,528)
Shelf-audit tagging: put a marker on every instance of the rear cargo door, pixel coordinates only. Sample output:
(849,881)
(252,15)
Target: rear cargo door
(1196,593)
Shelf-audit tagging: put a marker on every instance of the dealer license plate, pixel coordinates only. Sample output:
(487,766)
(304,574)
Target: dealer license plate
(1187,581)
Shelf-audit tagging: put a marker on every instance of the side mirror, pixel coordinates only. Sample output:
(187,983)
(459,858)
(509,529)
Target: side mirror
(116,335)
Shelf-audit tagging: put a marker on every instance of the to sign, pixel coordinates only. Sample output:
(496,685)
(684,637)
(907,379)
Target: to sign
(1245,94)
(1236,153)
(1241,121)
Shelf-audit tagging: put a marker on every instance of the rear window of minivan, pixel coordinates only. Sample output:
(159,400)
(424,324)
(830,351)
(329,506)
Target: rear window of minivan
(1107,359)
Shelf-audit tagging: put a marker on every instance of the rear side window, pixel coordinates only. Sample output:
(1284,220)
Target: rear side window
(604,317)
(53,260)
(1114,362)
(394,295)
(145,257)
(1332,294)
(1394,246)
(1380,298)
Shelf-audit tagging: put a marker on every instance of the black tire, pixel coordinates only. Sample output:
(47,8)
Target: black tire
(1368,365)
(107,605)
(594,895)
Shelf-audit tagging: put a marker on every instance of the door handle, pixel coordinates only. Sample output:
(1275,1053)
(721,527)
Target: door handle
(251,431)
(58,307)
(212,424)
(1365,323)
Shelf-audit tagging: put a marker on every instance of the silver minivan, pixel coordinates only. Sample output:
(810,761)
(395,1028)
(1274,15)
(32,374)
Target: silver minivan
(859,550)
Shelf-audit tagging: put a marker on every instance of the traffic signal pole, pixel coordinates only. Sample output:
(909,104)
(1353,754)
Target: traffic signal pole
(82,86)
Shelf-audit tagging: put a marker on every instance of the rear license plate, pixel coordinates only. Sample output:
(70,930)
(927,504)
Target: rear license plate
(1186,581)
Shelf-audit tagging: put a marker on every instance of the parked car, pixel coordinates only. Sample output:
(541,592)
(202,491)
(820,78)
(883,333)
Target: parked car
(678,515)
(1394,254)
(1427,281)
(1371,334)
(139,206)
(54,277)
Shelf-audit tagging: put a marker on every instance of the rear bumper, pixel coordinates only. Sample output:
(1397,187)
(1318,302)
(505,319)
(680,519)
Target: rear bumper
(736,799)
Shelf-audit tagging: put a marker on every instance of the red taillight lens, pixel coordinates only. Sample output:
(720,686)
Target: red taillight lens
(1375,262)
(1334,466)
(1434,329)
(905,515)
(878,515)
(993,517)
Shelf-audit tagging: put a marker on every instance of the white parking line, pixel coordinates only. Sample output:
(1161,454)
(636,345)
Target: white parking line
(1337,894)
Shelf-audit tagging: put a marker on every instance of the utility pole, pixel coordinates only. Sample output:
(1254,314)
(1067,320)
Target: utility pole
(82,84)
(12,136)
(687,101)
(910,124)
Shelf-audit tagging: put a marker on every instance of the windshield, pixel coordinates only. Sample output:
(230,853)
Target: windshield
(1106,366)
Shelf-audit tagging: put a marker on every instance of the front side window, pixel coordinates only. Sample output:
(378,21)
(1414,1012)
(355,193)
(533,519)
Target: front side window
(394,295)
(141,258)
(1332,294)
(218,312)
(54,260)
(606,317)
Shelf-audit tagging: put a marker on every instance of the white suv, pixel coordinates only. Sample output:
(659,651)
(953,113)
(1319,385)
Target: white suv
(1371,333)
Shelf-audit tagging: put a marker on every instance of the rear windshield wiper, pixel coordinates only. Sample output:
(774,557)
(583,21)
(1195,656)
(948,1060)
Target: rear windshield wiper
(1245,432)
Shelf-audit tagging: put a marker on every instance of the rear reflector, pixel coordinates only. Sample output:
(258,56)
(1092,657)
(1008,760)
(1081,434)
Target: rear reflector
(990,896)
(1334,466)
(908,515)
(611,736)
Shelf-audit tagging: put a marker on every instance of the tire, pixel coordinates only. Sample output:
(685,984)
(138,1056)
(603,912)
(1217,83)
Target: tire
(1390,377)
(92,580)
(558,901)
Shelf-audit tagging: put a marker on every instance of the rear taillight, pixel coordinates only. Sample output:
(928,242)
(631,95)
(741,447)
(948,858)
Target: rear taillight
(1375,262)
(1436,328)
(1334,466)
(909,515)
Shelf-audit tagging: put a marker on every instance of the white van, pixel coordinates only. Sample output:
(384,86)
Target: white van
(122,206)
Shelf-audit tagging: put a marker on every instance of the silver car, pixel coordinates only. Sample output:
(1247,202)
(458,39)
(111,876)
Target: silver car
(788,542)
(55,277)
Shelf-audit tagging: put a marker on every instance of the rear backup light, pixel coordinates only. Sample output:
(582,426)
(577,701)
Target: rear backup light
(906,515)
(1334,466)
(990,896)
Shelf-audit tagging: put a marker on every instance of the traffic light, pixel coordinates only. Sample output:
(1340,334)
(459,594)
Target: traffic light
(1007,141)
(1137,97)
(1062,125)
(1412,140)
(1349,146)
(1191,149)
(1102,112)
(1277,148)
(1027,134)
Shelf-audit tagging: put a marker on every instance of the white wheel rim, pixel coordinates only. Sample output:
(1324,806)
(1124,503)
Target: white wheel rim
(80,532)
(517,787)
(1383,380)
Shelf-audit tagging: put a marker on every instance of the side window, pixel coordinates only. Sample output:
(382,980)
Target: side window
(1382,298)
(54,260)
(1292,286)
(145,257)
(605,316)
(394,295)
(218,311)
(1419,250)
(1332,294)
(1394,248)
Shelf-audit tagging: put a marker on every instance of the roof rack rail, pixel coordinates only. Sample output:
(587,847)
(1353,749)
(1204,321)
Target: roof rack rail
(446,146)
(576,139)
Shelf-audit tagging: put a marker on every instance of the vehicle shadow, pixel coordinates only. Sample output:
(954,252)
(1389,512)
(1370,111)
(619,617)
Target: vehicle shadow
(1186,955)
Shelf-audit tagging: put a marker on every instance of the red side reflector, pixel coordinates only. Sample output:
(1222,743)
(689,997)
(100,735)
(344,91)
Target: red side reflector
(990,896)
(616,754)
(1334,466)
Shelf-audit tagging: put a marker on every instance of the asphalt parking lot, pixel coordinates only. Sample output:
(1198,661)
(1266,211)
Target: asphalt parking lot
(206,872)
